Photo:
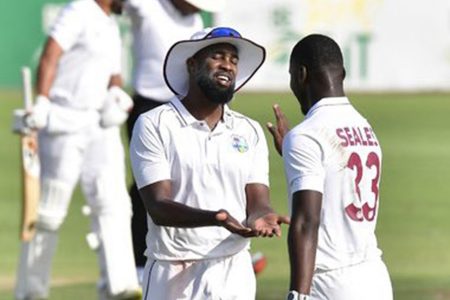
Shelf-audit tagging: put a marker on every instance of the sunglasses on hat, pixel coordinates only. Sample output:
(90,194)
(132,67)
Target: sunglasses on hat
(223,32)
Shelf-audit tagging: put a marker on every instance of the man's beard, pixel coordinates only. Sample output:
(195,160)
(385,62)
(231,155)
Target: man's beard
(212,91)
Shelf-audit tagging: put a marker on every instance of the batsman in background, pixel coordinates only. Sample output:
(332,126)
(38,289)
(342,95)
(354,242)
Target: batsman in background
(77,113)
(333,167)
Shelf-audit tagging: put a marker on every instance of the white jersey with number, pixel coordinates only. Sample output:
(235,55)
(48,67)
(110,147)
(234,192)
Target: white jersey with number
(335,151)
(207,169)
(91,43)
(156,26)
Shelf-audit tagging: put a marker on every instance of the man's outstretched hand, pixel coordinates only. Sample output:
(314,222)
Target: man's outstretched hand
(267,225)
(279,130)
(224,219)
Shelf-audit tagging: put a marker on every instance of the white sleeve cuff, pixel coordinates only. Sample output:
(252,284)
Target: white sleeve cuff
(313,183)
(151,173)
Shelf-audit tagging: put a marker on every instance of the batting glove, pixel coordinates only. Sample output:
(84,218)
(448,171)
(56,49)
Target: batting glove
(38,117)
(116,108)
(18,124)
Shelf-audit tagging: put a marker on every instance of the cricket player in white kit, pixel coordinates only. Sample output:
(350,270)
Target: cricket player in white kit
(202,172)
(156,26)
(79,108)
(333,168)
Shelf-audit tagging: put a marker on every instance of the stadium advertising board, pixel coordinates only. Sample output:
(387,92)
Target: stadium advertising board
(387,44)
(400,45)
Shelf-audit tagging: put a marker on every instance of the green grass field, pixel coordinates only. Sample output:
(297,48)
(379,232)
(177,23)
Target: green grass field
(413,224)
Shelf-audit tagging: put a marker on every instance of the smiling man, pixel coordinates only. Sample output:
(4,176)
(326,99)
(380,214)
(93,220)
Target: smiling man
(202,172)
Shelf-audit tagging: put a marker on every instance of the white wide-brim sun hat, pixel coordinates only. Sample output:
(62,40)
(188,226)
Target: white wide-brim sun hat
(251,57)
(208,5)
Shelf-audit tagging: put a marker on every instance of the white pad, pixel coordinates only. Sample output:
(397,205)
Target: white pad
(111,223)
(53,204)
(116,253)
(33,275)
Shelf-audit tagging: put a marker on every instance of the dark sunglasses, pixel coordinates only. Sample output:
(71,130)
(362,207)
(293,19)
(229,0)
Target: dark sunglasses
(223,32)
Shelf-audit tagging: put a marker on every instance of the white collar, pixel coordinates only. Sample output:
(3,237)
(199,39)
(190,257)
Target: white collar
(189,119)
(328,101)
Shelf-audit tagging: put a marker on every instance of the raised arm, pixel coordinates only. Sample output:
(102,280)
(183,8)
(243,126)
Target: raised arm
(280,129)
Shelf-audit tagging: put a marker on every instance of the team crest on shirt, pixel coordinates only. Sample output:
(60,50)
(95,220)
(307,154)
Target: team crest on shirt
(239,143)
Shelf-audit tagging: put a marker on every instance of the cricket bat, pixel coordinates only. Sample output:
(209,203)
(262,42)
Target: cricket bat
(30,167)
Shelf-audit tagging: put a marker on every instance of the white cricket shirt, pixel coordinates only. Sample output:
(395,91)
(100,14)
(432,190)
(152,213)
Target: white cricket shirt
(91,43)
(207,169)
(335,151)
(156,26)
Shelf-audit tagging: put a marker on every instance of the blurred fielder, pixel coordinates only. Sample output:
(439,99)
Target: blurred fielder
(333,166)
(78,110)
(202,172)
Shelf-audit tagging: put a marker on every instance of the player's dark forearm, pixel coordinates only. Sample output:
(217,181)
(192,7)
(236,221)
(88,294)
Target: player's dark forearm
(47,66)
(173,214)
(46,74)
(302,244)
(115,80)
(259,211)
(258,201)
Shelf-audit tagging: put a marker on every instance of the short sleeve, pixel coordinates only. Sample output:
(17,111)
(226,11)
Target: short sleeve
(302,155)
(148,159)
(259,172)
(67,27)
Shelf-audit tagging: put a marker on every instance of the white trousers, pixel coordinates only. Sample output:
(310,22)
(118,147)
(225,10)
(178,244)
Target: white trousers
(94,157)
(365,281)
(227,278)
